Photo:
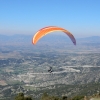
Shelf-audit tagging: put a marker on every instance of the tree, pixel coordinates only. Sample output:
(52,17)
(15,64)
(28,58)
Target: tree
(21,96)
(27,98)
(64,98)
(45,96)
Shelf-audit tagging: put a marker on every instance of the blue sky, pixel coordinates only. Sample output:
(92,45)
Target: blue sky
(80,17)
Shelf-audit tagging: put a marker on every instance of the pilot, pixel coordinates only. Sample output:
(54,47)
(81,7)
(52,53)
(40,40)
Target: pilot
(50,70)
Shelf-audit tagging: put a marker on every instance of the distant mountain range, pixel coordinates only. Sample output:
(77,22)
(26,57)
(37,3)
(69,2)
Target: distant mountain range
(15,38)
(48,38)
(91,39)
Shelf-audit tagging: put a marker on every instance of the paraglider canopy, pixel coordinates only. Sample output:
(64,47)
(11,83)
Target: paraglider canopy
(46,30)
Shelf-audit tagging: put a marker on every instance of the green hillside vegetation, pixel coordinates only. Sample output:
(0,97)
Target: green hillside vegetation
(70,90)
(45,96)
(54,92)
